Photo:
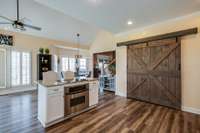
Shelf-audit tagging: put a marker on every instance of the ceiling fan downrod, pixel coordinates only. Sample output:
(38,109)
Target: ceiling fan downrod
(17,10)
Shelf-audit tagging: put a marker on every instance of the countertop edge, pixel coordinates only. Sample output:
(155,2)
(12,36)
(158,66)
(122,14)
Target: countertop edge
(63,84)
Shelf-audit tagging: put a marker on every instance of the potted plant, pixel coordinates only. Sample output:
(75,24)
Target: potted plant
(112,69)
(41,50)
(46,51)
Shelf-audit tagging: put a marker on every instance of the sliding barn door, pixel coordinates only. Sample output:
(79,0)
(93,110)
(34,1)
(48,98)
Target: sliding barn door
(154,72)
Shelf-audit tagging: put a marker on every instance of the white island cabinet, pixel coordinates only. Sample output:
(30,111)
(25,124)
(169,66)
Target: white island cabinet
(52,100)
(50,104)
(93,93)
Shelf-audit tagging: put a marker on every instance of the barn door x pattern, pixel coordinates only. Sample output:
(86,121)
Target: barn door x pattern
(154,72)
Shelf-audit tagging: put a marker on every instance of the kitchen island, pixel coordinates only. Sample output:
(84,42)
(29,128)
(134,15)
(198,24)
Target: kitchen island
(58,101)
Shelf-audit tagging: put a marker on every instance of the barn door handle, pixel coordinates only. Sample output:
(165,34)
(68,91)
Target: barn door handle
(179,67)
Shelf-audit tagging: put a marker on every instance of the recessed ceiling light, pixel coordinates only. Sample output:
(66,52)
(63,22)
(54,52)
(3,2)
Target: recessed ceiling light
(129,22)
(96,2)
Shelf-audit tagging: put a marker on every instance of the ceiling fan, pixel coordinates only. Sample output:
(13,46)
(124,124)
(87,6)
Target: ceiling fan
(18,23)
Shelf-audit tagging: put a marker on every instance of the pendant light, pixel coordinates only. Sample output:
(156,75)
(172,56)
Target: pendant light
(78,56)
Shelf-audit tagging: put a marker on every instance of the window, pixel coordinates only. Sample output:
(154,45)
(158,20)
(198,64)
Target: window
(2,68)
(15,68)
(83,64)
(26,68)
(20,68)
(55,63)
(68,64)
(64,64)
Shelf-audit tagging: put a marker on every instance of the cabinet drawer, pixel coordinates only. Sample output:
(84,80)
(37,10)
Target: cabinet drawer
(94,82)
(55,90)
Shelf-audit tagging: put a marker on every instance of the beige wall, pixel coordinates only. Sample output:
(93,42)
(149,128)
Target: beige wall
(32,44)
(190,55)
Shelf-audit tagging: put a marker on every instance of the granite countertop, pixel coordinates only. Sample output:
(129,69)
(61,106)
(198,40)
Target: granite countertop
(66,83)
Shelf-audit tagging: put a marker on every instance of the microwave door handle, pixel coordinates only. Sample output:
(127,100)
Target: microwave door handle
(79,94)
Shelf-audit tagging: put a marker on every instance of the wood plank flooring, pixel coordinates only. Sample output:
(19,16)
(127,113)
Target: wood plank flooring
(18,114)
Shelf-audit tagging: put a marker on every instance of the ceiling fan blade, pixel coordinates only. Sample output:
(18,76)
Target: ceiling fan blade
(25,20)
(6,18)
(5,23)
(32,27)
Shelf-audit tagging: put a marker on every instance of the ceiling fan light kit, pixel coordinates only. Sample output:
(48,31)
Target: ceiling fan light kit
(18,24)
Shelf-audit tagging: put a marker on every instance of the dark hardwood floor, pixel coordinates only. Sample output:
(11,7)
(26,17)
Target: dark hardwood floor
(18,114)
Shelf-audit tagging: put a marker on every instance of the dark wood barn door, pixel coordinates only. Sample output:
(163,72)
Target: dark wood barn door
(154,73)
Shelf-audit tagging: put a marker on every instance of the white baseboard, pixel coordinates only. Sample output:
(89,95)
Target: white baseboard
(191,110)
(16,90)
(43,124)
(120,94)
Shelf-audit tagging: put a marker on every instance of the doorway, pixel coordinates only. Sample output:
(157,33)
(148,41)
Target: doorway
(104,65)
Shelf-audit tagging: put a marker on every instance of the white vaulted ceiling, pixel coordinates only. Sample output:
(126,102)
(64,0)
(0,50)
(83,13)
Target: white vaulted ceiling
(113,15)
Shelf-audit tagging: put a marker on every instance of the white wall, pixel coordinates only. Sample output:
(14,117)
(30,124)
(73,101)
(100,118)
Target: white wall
(121,71)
